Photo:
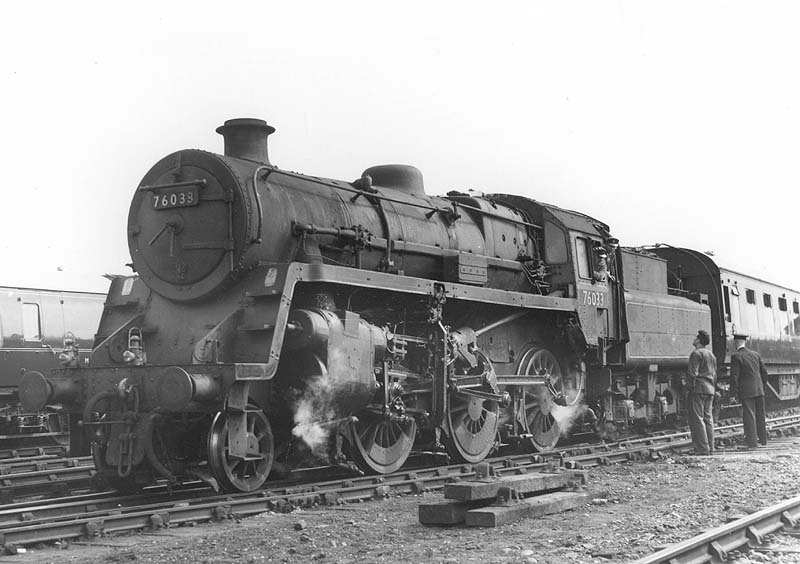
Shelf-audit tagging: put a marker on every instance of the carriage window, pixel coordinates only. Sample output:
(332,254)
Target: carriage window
(31,322)
(795,307)
(727,300)
(555,243)
(751,296)
(582,256)
(767,300)
(782,304)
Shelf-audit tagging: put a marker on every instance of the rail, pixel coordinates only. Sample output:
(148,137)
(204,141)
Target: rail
(714,546)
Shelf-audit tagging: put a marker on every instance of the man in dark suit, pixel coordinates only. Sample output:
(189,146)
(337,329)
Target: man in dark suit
(748,375)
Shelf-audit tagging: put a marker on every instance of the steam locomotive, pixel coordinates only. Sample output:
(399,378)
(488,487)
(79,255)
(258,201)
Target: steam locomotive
(361,321)
(37,326)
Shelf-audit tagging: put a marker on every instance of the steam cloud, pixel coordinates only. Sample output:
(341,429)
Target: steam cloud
(574,413)
(316,407)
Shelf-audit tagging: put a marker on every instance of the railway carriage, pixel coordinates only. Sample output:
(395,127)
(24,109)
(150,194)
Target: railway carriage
(739,303)
(274,313)
(36,325)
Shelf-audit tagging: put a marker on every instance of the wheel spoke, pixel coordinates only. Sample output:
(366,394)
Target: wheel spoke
(381,445)
(473,426)
(368,436)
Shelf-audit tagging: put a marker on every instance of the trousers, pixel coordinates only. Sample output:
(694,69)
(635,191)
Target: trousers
(754,421)
(701,421)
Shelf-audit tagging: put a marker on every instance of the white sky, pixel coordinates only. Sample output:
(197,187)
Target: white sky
(674,122)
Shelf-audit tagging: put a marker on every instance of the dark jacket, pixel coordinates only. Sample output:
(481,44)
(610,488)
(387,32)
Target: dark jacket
(702,371)
(748,373)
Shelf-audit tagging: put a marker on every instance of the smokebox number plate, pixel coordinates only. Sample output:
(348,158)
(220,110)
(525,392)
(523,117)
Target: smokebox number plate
(176,198)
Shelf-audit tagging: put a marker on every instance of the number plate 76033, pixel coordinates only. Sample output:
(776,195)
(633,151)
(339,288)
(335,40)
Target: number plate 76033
(175,198)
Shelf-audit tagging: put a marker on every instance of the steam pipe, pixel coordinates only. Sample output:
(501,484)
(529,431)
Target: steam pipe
(94,400)
(150,420)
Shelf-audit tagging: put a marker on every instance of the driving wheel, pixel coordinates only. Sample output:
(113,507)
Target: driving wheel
(537,404)
(246,473)
(472,424)
(381,445)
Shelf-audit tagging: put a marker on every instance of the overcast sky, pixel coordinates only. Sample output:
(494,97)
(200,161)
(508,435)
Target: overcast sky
(673,122)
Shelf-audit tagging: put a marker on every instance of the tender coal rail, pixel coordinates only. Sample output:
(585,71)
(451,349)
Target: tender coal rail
(715,545)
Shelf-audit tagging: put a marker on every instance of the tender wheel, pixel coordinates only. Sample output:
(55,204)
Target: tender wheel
(537,405)
(235,473)
(472,424)
(381,445)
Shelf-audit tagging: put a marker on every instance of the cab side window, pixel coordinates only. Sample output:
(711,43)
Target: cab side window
(582,256)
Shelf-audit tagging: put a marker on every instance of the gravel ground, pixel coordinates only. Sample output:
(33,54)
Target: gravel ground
(642,505)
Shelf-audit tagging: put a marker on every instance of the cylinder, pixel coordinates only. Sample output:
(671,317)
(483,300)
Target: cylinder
(177,388)
(314,329)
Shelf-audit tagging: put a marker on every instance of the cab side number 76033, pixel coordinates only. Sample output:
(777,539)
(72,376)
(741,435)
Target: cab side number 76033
(596,299)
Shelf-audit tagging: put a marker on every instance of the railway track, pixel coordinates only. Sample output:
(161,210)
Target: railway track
(26,441)
(92,515)
(44,476)
(719,543)
(39,471)
(30,523)
(7,454)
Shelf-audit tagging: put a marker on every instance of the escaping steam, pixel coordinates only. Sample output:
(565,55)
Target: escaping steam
(316,408)
(575,413)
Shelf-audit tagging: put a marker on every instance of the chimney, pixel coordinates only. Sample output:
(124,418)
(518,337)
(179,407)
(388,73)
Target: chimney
(246,138)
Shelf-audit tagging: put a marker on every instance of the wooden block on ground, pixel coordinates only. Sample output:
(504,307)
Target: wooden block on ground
(443,512)
(556,502)
(522,483)
(446,511)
